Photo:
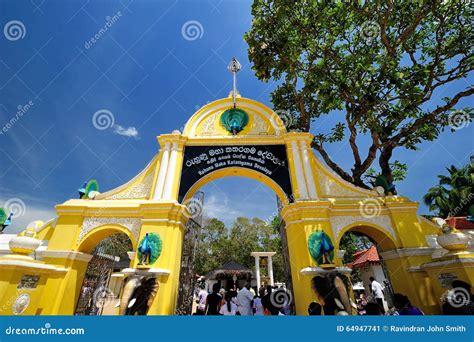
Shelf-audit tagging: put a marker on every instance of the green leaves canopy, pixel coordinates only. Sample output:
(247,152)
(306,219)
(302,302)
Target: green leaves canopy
(219,244)
(373,64)
(453,195)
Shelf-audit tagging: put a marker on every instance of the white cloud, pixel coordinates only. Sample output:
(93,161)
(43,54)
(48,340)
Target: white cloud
(31,213)
(219,207)
(130,132)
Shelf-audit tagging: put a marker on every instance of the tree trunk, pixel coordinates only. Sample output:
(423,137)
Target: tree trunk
(384,162)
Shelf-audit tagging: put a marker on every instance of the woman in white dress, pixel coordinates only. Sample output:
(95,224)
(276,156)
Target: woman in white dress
(228,308)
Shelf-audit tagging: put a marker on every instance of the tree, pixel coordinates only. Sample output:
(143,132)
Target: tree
(352,243)
(374,64)
(454,194)
(219,244)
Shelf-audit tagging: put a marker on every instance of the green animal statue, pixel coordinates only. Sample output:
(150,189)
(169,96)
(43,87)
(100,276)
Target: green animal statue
(149,249)
(321,248)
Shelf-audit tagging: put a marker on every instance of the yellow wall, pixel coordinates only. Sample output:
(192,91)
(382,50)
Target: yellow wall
(58,291)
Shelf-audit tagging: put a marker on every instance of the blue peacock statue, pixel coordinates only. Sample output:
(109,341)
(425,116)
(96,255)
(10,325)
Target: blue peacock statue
(321,248)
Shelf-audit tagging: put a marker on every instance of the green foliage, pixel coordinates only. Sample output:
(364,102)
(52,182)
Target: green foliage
(453,195)
(117,245)
(3,216)
(156,246)
(352,243)
(219,244)
(398,169)
(373,65)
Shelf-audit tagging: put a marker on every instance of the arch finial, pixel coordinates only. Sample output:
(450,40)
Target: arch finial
(234,67)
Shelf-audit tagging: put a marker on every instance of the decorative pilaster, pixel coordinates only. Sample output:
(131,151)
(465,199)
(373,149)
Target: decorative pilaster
(270,270)
(307,171)
(257,270)
(162,173)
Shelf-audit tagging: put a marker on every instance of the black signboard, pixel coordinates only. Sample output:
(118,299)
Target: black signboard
(270,160)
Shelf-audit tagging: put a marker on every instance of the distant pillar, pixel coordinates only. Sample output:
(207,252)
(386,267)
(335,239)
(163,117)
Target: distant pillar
(270,270)
(257,256)
(257,269)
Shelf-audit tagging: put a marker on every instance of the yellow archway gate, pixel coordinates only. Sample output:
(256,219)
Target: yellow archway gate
(155,200)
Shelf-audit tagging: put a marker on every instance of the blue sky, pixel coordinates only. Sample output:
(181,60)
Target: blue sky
(152,76)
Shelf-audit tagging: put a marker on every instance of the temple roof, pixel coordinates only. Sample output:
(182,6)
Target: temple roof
(460,223)
(229,269)
(366,256)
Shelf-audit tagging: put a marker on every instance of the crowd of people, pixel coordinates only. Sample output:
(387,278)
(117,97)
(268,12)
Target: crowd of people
(456,301)
(246,301)
(249,301)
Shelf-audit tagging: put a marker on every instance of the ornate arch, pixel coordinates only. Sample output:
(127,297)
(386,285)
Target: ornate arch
(381,232)
(94,230)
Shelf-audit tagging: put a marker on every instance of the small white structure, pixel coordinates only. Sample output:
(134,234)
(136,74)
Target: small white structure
(257,256)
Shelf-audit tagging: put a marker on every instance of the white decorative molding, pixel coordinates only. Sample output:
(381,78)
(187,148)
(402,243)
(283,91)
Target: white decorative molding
(31,265)
(245,104)
(60,254)
(330,187)
(258,126)
(162,172)
(318,270)
(146,271)
(170,173)
(209,125)
(131,182)
(406,252)
(338,223)
(446,263)
(140,190)
(308,171)
(300,179)
(90,223)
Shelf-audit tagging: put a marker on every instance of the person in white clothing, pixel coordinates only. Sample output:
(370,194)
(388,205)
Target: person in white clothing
(228,308)
(257,303)
(244,300)
(377,291)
